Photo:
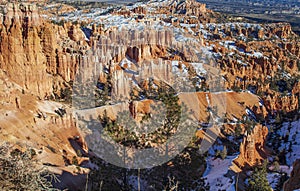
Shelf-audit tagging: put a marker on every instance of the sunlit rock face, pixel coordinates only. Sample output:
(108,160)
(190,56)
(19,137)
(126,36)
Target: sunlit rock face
(37,50)
(21,50)
(189,7)
(252,149)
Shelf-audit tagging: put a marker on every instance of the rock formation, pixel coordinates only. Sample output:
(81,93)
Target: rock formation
(21,51)
(252,149)
(294,182)
(36,49)
(189,7)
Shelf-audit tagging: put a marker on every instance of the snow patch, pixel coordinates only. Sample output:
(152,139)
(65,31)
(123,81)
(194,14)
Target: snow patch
(217,175)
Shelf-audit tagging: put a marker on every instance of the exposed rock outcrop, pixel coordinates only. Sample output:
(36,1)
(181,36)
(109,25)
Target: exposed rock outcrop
(283,30)
(252,149)
(36,49)
(189,7)
(294,182)
(45,126)
(21,51)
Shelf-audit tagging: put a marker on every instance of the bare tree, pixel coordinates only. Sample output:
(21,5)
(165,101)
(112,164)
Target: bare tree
(20,170)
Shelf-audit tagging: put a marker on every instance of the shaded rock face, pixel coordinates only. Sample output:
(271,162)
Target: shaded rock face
(283,31)
(294,182)
(139,10)
(189,7)
(252,149)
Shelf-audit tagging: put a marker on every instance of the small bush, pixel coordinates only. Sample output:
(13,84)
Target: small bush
(20,171)
(75,161)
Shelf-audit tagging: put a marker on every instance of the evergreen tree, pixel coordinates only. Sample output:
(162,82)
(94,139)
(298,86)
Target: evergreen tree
(238,130)
(224,153)
(258,180)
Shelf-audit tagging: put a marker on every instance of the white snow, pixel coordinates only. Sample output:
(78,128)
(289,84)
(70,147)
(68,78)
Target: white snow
(215,174)
(130,68)
(199,68)
(49,107)
(293,140)
(273,179)
(250,113)
(176,70)
(258,54)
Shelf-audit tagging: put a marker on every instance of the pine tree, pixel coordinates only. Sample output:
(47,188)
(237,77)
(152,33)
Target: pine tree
(276,166)
(224,153)
(258,180)
(238,130)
